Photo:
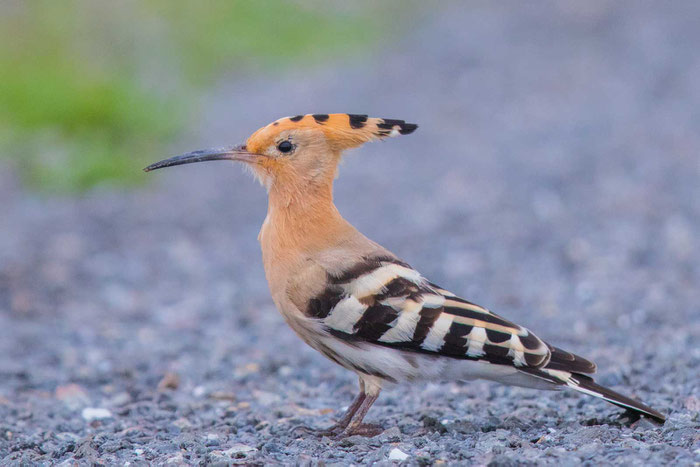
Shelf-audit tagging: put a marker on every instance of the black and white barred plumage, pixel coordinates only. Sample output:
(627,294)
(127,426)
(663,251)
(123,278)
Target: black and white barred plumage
(381,304)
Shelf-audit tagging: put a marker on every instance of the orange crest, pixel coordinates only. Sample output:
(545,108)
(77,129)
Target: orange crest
(342,131)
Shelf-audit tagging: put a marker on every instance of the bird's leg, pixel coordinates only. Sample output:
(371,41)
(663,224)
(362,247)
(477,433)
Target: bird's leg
(347,416)
(356,427)
(341,424)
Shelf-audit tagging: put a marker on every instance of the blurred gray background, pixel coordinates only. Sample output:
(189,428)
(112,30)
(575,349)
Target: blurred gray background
(555,178)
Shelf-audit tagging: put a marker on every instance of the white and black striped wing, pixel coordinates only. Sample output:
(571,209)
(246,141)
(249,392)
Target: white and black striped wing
(384,301)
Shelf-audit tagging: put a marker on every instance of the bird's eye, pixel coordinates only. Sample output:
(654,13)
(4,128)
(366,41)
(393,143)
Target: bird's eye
(285,146)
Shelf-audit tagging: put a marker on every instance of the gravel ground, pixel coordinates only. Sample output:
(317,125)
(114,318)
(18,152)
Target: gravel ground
(555,179)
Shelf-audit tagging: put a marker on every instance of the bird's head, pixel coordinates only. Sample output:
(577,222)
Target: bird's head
(302,150)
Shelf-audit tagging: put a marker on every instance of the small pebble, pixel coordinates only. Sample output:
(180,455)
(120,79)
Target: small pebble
(95,413)
(169,381)
(239,449)
(397,454)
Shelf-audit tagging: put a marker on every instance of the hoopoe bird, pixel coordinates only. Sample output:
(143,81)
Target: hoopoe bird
(359,304)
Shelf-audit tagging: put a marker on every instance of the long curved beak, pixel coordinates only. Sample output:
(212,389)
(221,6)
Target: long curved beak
(231,153)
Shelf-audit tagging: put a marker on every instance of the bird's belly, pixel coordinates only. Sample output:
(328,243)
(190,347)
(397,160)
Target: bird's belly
(390,365)
(398,366)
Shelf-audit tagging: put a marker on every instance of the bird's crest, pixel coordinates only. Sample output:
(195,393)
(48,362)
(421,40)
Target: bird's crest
(343,131)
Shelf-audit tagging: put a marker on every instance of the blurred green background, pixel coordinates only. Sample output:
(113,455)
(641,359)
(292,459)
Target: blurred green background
(91,90)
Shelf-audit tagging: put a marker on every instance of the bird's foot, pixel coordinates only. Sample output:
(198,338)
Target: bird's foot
(365,429)
(320,432)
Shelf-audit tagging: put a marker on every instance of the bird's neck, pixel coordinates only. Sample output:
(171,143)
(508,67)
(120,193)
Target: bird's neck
(302,230)
(300,220)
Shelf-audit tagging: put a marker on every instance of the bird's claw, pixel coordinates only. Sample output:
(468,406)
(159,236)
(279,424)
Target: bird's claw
(367,430)
(338,432)
(320,432)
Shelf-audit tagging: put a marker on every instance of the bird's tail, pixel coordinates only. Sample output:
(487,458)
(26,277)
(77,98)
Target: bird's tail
(586,385)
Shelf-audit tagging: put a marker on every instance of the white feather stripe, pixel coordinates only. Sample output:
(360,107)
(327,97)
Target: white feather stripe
(372,283)
(404,326)
(573,384)
(433,301)
(436,337)
(563,376)
(345,314)
(517,351)
(444,292)
(402,303)
(515,344)
(518,357)
(476,339)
